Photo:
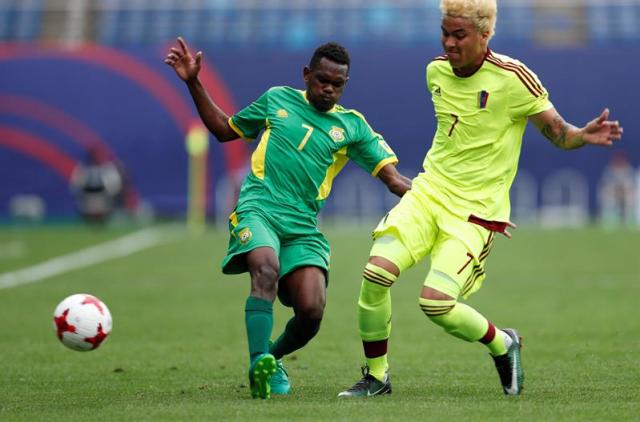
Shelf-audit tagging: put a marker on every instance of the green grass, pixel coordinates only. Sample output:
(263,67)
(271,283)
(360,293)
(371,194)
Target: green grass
(178,348)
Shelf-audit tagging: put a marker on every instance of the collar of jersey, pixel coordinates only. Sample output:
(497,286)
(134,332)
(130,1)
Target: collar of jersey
(304,96)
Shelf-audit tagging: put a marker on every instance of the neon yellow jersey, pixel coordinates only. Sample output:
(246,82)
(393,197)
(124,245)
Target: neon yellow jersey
(481,120)
(302,150)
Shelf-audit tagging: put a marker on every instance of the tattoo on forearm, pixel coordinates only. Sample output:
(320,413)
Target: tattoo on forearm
(557,132)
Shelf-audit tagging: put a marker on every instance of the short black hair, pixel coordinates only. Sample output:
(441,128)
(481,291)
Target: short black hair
(331,51)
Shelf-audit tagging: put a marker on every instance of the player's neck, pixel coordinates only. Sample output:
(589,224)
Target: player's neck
(470,69)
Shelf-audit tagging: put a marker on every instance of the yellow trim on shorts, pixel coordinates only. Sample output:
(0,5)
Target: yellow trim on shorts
(233,220)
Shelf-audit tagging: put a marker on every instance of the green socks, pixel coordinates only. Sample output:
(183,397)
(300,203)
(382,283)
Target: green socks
(288,341)
(258,317)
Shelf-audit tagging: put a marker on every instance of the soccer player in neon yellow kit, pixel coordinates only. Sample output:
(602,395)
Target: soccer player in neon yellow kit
(482,101)
(306,140)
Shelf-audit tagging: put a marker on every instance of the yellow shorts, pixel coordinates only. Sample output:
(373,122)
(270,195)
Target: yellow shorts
(422,227)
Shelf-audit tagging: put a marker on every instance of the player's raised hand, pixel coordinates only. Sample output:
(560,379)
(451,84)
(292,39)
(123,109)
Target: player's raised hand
(601,131)
(183,62)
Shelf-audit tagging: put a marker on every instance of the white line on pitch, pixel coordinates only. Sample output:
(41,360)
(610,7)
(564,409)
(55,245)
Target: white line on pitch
(112,249)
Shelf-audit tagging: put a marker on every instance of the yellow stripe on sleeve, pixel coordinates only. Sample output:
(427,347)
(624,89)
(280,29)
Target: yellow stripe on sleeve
(237,130)
(390,160)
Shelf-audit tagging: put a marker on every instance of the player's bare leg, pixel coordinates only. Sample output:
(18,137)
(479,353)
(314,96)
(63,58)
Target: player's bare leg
(305,291)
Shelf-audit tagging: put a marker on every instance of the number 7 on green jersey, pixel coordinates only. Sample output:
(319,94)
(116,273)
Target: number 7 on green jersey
(306,136)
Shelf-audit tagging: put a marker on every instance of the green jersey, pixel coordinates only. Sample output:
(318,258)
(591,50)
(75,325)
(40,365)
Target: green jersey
(301,149)
(481,120)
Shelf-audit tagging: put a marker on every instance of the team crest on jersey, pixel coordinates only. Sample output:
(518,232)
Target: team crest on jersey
(483,97)
(336,133)
(282,113)
(245,235)
(437,92)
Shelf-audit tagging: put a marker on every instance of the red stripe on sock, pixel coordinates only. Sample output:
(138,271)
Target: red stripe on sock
(490,335)
(374,349)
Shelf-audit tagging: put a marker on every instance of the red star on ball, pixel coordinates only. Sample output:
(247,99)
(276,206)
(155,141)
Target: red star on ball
(98,338)
(92,300)
(62,325)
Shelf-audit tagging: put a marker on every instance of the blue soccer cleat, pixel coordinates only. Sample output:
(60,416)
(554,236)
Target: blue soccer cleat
(280,380)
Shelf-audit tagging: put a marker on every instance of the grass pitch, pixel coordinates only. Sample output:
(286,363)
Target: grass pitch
(178,346)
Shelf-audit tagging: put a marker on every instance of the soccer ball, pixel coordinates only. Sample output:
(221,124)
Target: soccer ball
(82,322)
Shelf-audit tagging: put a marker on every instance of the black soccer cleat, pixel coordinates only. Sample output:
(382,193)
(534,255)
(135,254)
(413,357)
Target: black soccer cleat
(509,365)
(368,386)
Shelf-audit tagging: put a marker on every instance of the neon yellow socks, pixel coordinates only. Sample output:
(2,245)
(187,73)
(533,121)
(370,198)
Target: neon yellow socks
(466,323)
(496,340)
(378,366)
(374,317)
(374,304)
(461,320)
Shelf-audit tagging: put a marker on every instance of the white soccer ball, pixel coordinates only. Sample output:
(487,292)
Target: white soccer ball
(82,322)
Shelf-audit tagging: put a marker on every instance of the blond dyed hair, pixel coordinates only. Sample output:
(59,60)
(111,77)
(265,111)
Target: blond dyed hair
(483,13)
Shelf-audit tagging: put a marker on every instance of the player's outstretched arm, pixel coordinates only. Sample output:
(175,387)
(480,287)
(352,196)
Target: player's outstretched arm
(599,131)
(187,68)
(395,181)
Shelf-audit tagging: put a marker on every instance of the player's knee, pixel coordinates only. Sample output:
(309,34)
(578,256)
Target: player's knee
(266,272)
(378,263)
(437,309)
(438,296)
(264,280)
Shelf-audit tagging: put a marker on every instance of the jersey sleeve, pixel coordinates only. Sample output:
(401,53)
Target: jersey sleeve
(527,95)
(249,121)
(428,76)
(371,152)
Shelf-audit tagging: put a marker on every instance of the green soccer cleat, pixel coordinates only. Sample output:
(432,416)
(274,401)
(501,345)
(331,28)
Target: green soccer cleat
(279,382)
(509,365)
(368,386)
(260,372)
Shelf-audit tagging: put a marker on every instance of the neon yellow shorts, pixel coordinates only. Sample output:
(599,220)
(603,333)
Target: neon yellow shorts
(422,226)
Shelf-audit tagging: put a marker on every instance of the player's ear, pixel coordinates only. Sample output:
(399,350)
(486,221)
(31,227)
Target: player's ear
(306,72)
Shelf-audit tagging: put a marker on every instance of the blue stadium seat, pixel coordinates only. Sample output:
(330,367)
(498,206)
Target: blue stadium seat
(21,20)
(299,24)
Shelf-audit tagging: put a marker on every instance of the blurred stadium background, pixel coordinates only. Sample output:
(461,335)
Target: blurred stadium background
(80,76)
(86,78)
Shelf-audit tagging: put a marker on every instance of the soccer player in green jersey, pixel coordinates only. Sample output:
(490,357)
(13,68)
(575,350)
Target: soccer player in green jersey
(306,139)
(482,102)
